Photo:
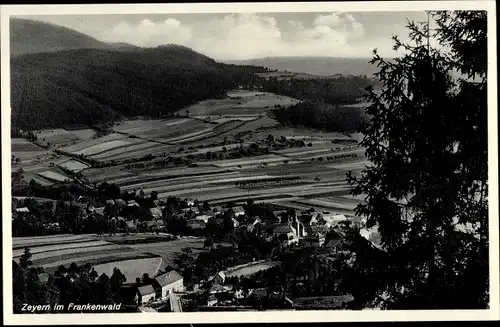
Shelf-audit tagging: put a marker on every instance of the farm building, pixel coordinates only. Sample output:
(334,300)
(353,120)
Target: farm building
(99,211)
(196,223)
(332,219)
(145,294)
(22,210)
(204,218)
(238,211)
(190,202)
(156,212)
(218,209)
(168,283)
(132,203)
(216,288)
(285,233)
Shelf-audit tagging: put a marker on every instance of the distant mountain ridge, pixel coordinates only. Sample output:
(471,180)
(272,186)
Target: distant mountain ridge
(30,36)
(323,66)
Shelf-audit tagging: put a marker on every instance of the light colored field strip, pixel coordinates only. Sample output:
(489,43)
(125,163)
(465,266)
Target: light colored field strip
(177,181)
(250,270)
(127,149)
(98,148)
(256,160)
(44,239)
(132,269)
(51,175)
(112,257)
(296,153)
(74,165)
(195,185)
(82,145)
(185,136)
(55,247)
(350,165)
(87,250)
(191,191)
(292,190)
(326,204)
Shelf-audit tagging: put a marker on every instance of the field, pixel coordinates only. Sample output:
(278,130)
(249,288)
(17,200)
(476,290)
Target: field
(132,269)
(169,250)
(318,166)
(105,252)
(74,166)
(61,137)
(23,145)
(54,176)
(250,270)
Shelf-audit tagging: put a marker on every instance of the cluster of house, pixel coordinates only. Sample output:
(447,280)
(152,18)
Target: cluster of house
(160,288)
(200,219)
(310,228)
(223,293)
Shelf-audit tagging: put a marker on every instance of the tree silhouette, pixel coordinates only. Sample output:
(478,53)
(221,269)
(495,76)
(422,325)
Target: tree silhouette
(427,142)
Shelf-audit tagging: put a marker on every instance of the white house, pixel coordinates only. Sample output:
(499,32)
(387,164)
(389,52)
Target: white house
(238,211)
(205,218)
(22,209)
(132,203)
(190,202)
(145,294)
(168,283)
(286,234)
(333,219)
(156,212)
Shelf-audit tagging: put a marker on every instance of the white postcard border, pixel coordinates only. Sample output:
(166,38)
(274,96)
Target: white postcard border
(268,316)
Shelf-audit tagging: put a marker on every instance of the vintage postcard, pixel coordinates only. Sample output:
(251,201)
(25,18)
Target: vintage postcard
(265,162)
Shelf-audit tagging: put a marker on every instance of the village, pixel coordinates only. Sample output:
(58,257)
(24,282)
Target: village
(147,221)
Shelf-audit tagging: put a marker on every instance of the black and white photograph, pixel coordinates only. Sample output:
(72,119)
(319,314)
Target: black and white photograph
(286,162)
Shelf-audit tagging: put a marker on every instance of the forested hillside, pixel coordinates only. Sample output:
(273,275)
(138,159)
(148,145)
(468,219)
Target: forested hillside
(29,36)
(92,86)
(339,90)
(323,101)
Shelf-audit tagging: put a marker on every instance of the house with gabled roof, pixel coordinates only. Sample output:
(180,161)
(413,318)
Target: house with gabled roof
(238,211)
(132,203)
(168,283)
(23,210)
(145,294)
(156,212)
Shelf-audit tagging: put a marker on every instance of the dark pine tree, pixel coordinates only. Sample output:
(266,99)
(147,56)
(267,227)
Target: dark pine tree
(427,142)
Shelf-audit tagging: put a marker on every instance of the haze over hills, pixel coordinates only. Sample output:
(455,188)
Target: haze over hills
(323,66)
(29,36)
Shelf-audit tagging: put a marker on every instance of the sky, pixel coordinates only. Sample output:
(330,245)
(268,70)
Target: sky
(242,36)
